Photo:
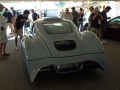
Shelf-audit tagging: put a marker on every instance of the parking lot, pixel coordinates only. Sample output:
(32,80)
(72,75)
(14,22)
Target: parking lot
(12,76)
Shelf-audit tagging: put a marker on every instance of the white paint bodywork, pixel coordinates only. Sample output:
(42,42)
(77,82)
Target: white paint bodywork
(39,51)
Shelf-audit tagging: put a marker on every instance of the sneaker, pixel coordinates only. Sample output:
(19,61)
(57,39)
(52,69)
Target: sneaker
(6,54)
(3,58)
(17,49)
(103,42)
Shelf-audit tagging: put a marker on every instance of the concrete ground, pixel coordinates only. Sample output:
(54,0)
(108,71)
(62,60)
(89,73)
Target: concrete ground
(12,76)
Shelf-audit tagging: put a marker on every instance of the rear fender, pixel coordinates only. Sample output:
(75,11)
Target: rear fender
(91,43)
(36,48)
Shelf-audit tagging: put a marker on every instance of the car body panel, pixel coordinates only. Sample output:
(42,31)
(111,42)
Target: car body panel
(36,65)
(38,50)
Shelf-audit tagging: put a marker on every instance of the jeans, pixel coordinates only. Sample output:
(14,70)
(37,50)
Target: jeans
(26,25)
(80,26)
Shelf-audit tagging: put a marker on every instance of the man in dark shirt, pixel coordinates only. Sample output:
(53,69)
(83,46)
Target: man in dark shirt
(104,22)
(34,15)
(80,20)
(20,21)
(89,23)
(9,18)
(95,19)
(75,16)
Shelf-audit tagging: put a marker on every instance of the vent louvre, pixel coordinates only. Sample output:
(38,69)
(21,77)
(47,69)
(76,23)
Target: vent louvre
(65,45)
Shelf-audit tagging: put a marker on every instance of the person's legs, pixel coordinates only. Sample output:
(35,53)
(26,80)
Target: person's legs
(76,23)
(12,28)
(3,41)
(1,44)
(16,40)
(101,36)
(4,47)
(80,26)
(21,34)
(28,24)
(3,50)
(95,31)
(25,26)
(102,31)
(12,31)
(2,57)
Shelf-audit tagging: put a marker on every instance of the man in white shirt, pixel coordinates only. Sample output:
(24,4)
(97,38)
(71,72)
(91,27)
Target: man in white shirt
(67,15)
(3,35)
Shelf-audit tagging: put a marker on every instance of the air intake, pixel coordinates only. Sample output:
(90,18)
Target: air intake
(65,45)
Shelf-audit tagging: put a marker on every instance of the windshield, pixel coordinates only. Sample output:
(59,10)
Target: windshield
(57,27)
(115,21)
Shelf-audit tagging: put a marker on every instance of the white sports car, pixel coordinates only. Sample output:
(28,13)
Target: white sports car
(55,45)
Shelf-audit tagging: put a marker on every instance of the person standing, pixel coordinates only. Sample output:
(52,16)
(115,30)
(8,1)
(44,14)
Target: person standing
(89,23)
(3,35)
(9,18)
(14,13)
(67,15)
(61,13)
(104,23)
(19,23)
(34,15)
(75,16)
(45,13)
(95,19)
(80,20)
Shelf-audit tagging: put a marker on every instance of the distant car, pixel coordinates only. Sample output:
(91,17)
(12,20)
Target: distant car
(56,46)
(113,28)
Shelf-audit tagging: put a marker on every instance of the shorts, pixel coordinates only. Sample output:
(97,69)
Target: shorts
(103,29)
(3,36)
(19,33)
(95,30)
(10,25)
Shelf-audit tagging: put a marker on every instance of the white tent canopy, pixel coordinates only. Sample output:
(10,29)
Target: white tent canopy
(53,0)
(31,5)
(115,4)
(42,0)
